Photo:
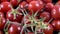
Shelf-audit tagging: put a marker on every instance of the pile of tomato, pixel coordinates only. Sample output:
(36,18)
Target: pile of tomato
(29,17)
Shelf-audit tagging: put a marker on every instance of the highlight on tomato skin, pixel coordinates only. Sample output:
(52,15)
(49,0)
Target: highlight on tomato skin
(56,25)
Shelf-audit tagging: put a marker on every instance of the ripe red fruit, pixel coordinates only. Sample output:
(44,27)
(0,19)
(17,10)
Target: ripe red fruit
(48,30)
(1,32)
(5,6)
(1,14)
(14,2)
(14,29)
(4,0)
(23,4)
(45,15)
(2,23)
(56,12)
(49,7)
(47,1)
(35,6)
(14,15)
(56,25)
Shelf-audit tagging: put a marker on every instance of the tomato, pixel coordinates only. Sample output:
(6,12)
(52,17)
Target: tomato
(49,7)
(23,4)
(1,14)
(48,30)
(14,15)
(35,6)
(14,29)
(47,1)
(29,1)
(30,33)
(56,12)
(45,15)
(56,25)
(1,32)
(2,21)
(5,6)
(14,2)
(4,0)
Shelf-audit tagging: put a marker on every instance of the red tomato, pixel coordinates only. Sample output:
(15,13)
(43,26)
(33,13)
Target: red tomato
(23,4)
(14,29)
(48,30)
(14,15)
(47,1)
(49,7)
(1,32)
(45,15)
(5,6)
(2,23)
(56,25)
(56,12)
(14,2)
(35,6)
(1,14)
(4,0)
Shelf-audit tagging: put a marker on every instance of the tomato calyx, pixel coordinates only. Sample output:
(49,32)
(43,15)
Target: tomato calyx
(15,12)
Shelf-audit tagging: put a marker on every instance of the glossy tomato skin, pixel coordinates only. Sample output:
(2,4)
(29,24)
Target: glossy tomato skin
(1,14)
(18,17)
(2,23)
(1,32)
(14,29)
(56,12)
(5,6)
(4,0)
(14,3)
(49,29)
(47,1)
(49,7)
(45,15)
(23,4)
(34,6)
(56,25)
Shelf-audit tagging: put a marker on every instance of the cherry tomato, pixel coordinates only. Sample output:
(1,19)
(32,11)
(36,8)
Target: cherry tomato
(56,12)
(2,21)
(4,0)
(35,6)
(1,14)
(29,1)
(49,7)
(14,2)
(1,32)
(48,30)
(14,15)
(23,4)
(5,6)
(47,1)
(14,29)
(30,33)
(45,15)
(56,25)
